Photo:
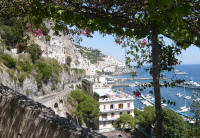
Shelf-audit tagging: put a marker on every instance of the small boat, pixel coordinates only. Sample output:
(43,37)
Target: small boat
(146,103)
(179,94)
(163,104)
(180,73)
(187,97)
(184,109)
(149,97)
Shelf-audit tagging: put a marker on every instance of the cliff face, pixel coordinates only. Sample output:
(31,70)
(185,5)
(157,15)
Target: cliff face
(21,117)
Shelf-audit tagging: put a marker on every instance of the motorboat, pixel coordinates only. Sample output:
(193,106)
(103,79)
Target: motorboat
(164,104)
(179,94)
(191,84)
(184,109)
(146,103)
(180,72)
(187,97)
(149,97)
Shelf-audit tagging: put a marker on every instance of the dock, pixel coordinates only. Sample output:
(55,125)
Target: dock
(135,84)
(125,79)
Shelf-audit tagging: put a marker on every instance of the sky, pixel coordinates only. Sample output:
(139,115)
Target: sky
(108,46)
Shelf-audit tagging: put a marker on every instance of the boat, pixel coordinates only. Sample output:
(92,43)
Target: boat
(180,72)
(164,104)
(149,97)
(179,94)
(146,103)
(187,97)
(191,84)
(184,108)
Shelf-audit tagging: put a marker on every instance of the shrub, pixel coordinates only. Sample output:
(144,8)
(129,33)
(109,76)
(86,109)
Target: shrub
(21,47)
(125,122)
(27,92)
(21,77)
(67,69)
(87,107)
(34,51)
(11,73)
(68,60)
(8,61)
(44,73)
(24,66)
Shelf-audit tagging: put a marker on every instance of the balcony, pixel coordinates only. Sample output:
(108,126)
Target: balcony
(108,119)
(116,110)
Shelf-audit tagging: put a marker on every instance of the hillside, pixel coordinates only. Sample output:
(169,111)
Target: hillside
(41,64)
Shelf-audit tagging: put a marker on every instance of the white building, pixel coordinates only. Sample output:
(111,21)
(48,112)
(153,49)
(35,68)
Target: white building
(112,105)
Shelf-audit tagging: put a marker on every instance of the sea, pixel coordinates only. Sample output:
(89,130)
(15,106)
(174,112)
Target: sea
(169,93)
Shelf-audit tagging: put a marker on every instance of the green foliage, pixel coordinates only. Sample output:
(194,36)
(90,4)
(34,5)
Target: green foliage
(47,70)
(174,125)
(78,71)
(44,72)
(67,69)
(8,61)
(68,60)
(21,77)
(34,51)
(93,55)
(11,73)
(27,92)
(87,107)
(124,122)
(147,118)
(24,65)
(11,30)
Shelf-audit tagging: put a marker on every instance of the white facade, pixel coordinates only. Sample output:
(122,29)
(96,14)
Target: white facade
(112,107)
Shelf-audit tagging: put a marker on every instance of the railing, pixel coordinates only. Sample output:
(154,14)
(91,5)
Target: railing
(116,110)
(108,119)
(130,98)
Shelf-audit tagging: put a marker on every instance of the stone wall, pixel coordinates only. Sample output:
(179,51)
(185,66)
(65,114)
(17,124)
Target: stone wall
(21,117)
(87,87)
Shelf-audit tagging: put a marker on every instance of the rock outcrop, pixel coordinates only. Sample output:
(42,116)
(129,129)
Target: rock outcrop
(21,117)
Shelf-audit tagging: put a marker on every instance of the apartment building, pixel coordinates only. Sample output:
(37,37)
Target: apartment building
(112,105)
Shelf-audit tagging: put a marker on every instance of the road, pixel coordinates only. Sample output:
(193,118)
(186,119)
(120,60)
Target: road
(50,97)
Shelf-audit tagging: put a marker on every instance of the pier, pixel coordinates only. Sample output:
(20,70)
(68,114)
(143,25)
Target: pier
(125,79)
(129,84)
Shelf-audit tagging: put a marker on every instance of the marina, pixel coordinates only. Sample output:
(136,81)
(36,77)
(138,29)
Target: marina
(182,97)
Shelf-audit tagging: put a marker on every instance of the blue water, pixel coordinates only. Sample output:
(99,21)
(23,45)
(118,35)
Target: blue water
(167,93)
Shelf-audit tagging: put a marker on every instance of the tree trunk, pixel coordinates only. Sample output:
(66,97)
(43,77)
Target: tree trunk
(156,84)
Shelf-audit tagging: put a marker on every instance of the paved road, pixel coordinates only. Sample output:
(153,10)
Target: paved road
(50,97)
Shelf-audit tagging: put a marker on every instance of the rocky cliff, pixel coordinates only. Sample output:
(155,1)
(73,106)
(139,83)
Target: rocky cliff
(21,117)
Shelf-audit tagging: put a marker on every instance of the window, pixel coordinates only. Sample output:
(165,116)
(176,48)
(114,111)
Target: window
(111,106)
(104,116)
(112,115)
(112,122)
(120,106)
(128,105)
(104,106)
(120,113)
(104,123)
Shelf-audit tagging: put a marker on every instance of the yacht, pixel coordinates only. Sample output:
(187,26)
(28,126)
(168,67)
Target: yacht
(164,104)
(146,103)
(179,94)
(184,109)
(149,97)
(180,73)
(191,84)
(187,97)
